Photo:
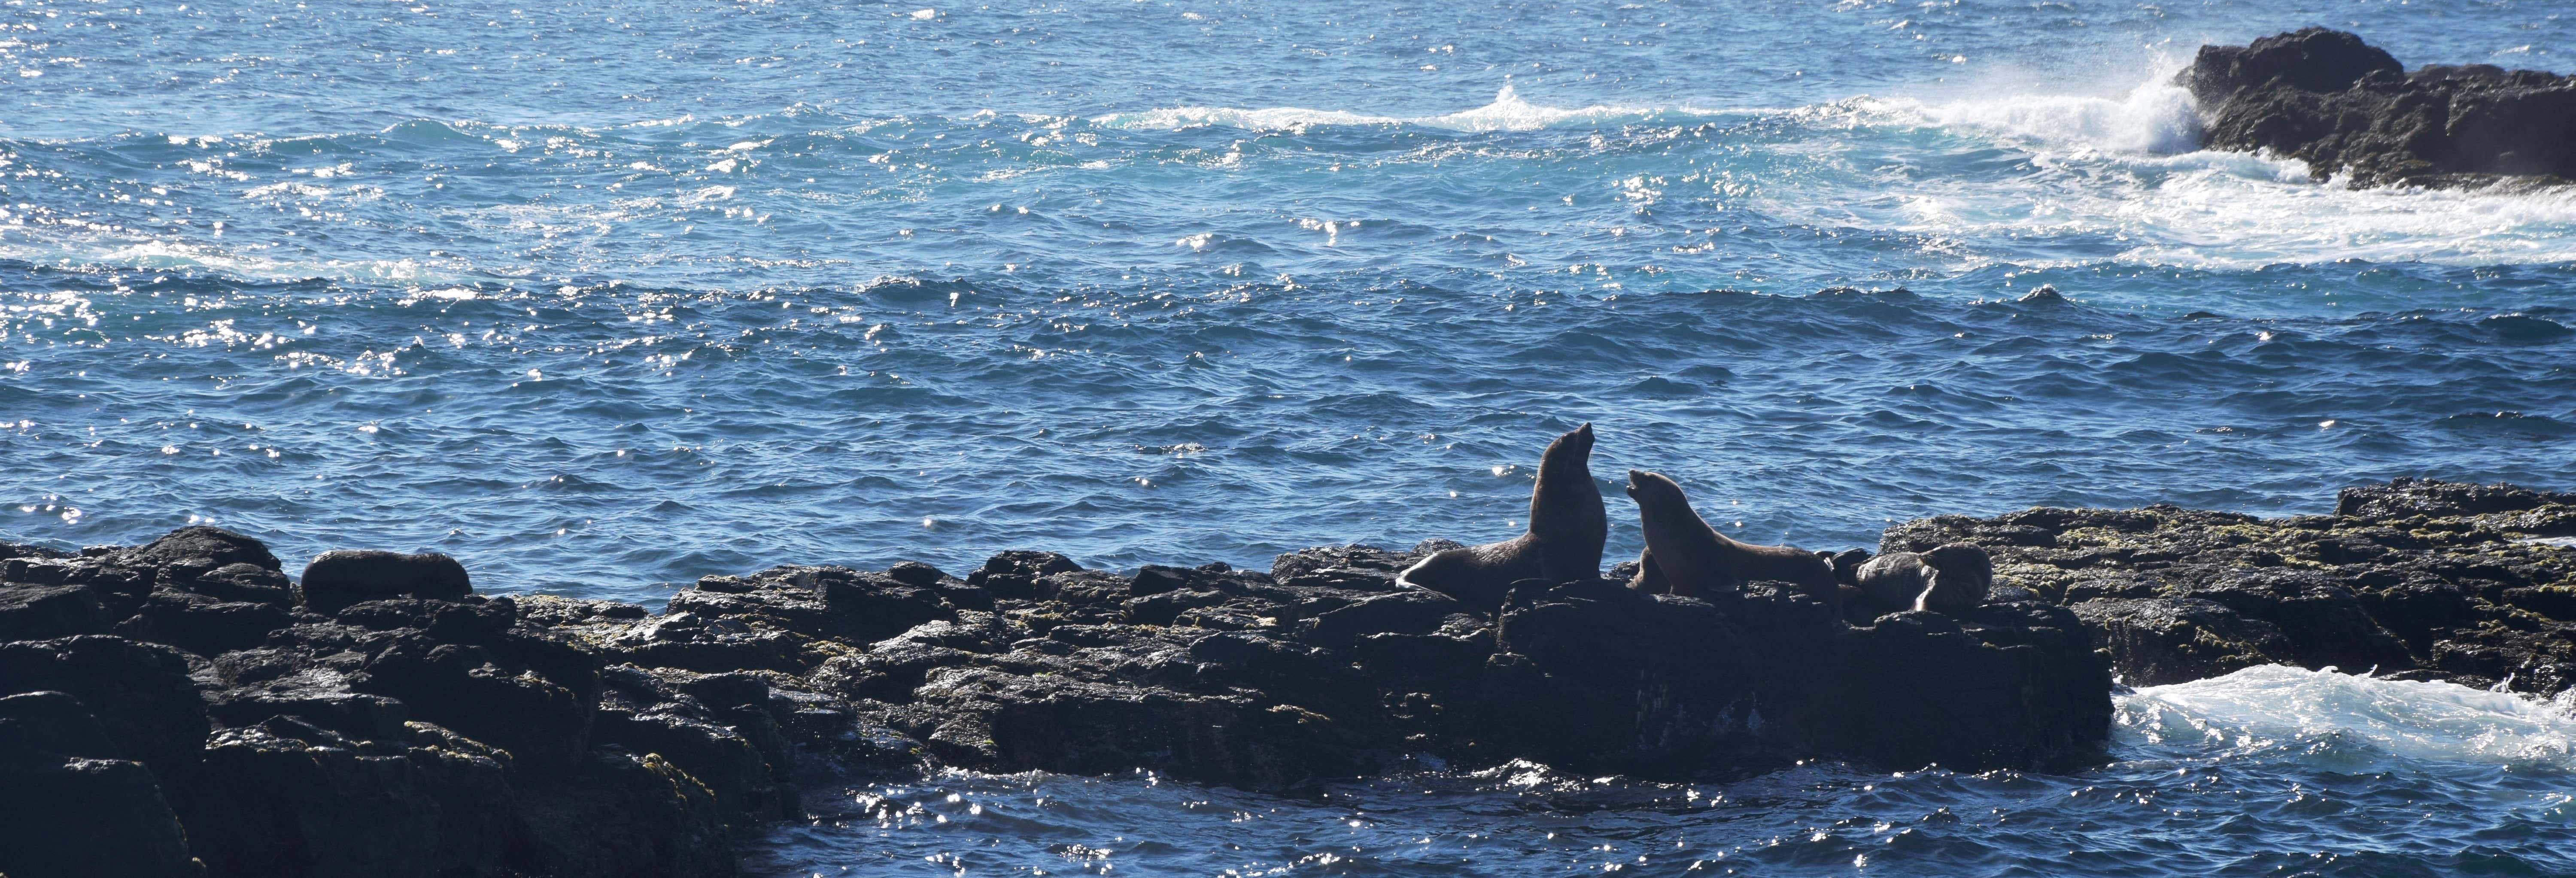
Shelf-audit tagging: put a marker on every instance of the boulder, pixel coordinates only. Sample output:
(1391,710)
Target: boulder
(41,612)
(2345,108)
(65,817)
(146,703)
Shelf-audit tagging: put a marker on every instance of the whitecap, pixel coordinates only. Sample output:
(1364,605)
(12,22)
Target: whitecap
(1507,112)
(2273,707)
(2123,175)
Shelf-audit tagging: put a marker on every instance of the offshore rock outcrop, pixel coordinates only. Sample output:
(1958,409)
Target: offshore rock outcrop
(2344,107)
(183,708)
(2417,579)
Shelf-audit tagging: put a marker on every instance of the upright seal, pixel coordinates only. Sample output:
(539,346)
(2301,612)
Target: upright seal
(1685,556)
(1567,525)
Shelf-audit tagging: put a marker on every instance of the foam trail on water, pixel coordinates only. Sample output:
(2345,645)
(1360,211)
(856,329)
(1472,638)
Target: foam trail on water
(1507,112)
(2264,708)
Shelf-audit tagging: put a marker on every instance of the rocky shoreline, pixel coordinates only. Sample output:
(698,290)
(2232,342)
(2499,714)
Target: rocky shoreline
(2347,108)
(184,708)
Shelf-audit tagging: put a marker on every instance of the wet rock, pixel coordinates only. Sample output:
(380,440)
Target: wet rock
(2157,641)
(1015,574)
(52,724)
(549,736)
(1411,611)
(73,816)
(562,612)
(141,693)
(71,804)
(285,797)
(340,577)
(201,623)
(1332,565)
(39,612)
(2345,107)
(190,552)
(712,739)
(622,814)
(2432,579)
(2012,684)
(2405,497)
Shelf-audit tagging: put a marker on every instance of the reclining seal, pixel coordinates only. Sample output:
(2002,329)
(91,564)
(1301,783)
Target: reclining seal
(1567,525)
(1684,556)
(1952,578)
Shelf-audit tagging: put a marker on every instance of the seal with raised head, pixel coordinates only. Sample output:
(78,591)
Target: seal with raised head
(1952,578)
(1567,525)
(1684,556)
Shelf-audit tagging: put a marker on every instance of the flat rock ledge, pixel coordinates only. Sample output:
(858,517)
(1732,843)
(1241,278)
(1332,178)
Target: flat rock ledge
(2415,579)
(184,708)
(2345,107)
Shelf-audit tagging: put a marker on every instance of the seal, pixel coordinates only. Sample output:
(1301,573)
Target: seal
(1953,578)
(1567,525)
(1684,556)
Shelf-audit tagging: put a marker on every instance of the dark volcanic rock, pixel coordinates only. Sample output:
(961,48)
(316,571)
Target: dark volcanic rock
(394,723)
(75,816)
(39,612)
(2432,579)
(141,693)
(285,797)
(2344,107)
(2155,641)
(381,719)
(69,805)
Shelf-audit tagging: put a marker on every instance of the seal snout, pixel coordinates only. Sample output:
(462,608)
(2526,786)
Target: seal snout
(1579,438)
(1636,478)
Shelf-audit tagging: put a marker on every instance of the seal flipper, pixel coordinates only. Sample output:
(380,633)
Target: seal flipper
(1931,583)
(1650,578)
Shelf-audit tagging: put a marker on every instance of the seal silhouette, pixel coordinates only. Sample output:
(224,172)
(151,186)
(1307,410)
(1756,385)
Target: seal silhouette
(1567,525)
(1952,578)
(1684,556)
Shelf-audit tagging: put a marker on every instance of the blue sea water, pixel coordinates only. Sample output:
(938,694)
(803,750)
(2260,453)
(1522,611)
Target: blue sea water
(601,297)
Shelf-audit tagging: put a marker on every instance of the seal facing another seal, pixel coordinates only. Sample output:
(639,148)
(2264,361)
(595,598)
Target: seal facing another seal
(1684,556)
(1952,578)
(1567,526)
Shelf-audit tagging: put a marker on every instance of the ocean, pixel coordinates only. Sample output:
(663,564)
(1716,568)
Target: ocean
(601,297)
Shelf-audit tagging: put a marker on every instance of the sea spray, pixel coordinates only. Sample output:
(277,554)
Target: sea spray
(2274,708)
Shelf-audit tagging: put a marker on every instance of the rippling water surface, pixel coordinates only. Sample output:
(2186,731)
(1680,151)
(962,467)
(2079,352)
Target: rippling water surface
(604,296)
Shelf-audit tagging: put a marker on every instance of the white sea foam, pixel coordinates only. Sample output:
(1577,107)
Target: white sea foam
(2125,171)
(2156,117)
(2273,706)
(128,254)
(1508,112)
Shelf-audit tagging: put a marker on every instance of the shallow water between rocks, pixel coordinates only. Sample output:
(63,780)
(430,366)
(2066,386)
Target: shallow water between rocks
(601,297)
